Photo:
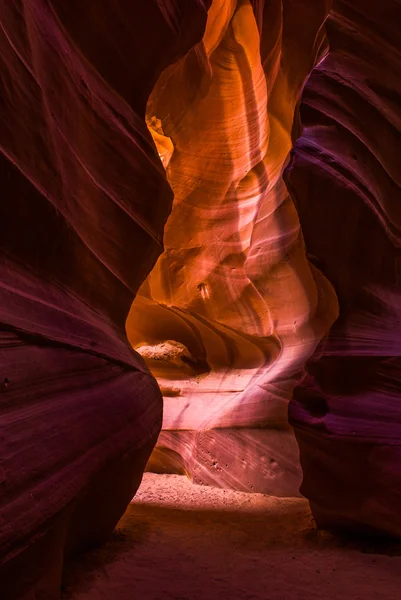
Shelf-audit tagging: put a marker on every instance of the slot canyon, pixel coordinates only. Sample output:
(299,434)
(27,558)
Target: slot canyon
(200,299)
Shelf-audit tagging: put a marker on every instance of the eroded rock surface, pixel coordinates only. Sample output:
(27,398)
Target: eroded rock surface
(345,180)
(106,109)
(84,202)
(234,286)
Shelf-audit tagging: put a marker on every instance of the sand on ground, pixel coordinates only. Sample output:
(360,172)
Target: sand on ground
(179,541)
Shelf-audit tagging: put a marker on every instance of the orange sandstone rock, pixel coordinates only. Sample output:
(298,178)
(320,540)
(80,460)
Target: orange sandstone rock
(233,286)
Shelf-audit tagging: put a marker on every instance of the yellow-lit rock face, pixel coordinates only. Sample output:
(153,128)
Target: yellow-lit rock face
(233,299)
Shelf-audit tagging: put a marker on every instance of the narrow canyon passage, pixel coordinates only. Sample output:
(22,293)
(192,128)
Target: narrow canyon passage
(233,309)
(200,280)
(178,541)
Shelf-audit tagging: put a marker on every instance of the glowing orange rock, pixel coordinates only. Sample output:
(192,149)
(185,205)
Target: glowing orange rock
(233,286)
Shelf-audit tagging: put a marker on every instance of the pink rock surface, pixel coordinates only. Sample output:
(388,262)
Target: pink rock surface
(108,111)
(345,180)
(84,201)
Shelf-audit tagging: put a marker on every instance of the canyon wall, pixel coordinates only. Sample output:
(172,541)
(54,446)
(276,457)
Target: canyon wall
(345,180)
(233,309)
(240,299)
(84,202)
(108,113)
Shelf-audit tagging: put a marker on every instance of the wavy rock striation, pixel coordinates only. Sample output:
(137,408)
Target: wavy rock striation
(241,297)
(84,202)
(345,180)
(233,309)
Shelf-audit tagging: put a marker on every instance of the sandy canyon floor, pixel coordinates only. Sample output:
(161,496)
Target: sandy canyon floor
(178,541)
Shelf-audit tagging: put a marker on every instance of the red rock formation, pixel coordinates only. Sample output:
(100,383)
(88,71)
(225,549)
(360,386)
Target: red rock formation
(232,310)
(84,201)
(236,304)
(345,179)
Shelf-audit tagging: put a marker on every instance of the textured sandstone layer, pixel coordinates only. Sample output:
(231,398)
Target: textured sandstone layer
(233,309)
(235,306)
(84,201)
(345,179)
